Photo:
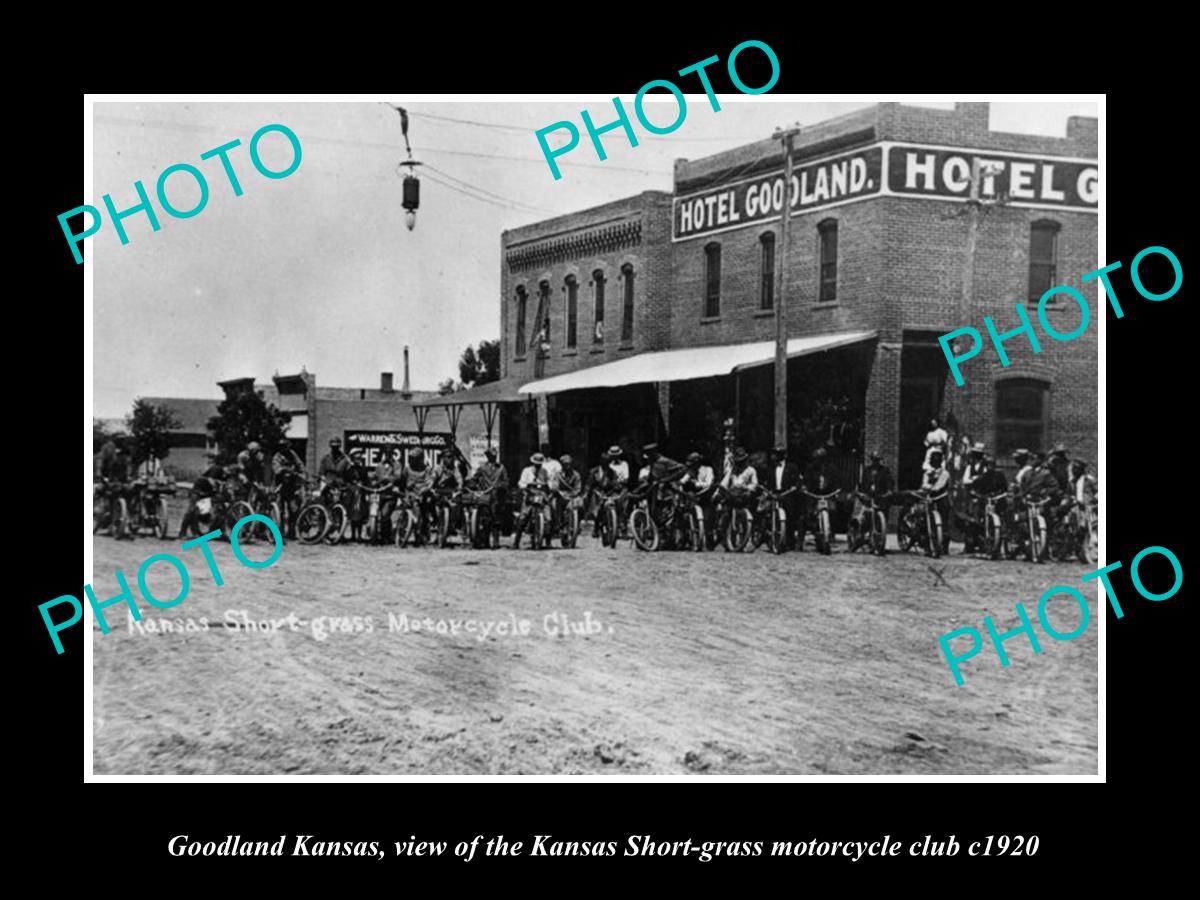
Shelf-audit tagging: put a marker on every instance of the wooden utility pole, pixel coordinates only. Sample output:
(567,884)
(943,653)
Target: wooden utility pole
(781,337)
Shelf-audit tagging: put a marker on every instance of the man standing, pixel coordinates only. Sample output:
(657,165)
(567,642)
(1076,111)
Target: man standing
(935,439)
(552,466)
(335,464)
(287,471)
(785,475)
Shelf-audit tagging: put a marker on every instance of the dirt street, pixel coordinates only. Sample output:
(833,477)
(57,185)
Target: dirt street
(705,663)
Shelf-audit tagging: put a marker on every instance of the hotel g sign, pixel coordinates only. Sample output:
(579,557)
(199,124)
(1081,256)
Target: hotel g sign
(889,169)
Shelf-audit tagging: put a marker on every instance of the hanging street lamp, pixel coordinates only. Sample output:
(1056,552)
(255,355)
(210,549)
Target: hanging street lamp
(412,185)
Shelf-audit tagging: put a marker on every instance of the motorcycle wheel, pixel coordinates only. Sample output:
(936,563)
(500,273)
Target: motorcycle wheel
(1043,540)
(537,532)
(1089,545)
(471,527)
(737,535)
(570,532)
(879,538)
(443,527)
(644,530)
(339,520)
(160,519)
(402,531)
(120,527)
(697,533)
(609,528)
(824,532)
(778,537)
(237,511)
(904,534)
(993,536)
(1033,546)
(311,524)
(935,534)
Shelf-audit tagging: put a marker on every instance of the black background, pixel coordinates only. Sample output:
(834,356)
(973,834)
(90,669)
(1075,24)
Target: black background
(1149,459)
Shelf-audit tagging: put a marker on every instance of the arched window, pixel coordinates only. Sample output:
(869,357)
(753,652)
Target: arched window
(598,288)
(1043,258)
(522,306)
(572,287)
(712,281)
(827,236)
(627,305)
(1021,415)
(766,294)
(541,322)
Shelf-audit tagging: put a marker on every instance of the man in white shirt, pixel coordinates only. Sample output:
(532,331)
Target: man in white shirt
(532,475)
(551,465)
(618,466)
(699,476)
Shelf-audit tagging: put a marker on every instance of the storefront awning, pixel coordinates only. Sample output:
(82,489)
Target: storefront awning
(503,391)
(692,362)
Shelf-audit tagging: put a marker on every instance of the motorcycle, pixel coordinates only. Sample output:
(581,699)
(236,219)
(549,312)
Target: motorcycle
(921,524)
(734,522)
(770,526)
(1030,537)
(822,520)
(610,518)
(570,517)
(535,517)
(874,533)
(482,526)
(993,526)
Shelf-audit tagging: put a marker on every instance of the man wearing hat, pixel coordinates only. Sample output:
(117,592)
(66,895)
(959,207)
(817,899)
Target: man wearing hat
(740,484)
(699,477)
(986,481)
(532,476)
(785,475)
(1060,467)
(334,464)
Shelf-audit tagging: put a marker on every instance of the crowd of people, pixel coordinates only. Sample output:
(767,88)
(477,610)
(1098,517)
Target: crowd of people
(959,485)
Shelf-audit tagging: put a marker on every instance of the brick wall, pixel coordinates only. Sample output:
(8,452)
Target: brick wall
(585,250)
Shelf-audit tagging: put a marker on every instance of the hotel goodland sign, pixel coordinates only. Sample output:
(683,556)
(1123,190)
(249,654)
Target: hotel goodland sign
(890,169)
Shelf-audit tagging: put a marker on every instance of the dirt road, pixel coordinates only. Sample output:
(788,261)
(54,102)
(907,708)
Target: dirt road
(705,663)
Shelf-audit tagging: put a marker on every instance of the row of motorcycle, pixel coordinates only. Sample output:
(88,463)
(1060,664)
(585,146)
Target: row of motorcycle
(663,516)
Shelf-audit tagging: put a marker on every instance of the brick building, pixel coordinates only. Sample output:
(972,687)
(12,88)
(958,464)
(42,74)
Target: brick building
(886,202)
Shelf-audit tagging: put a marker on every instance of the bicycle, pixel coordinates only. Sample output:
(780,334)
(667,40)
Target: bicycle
(642,527)
(312,518)
(822,520)
(874,533)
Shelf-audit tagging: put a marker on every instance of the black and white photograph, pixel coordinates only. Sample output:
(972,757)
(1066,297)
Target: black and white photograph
(528,436)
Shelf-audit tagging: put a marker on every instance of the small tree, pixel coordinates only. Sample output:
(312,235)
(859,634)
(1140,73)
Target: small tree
(480,365)
(243,418)
(100,434)
(150,427)
(447,386)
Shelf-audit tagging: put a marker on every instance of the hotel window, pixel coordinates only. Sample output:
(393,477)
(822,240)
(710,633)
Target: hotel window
(828,238)
(1021,409)
(627,305)
(598,287)
(522,305)
(572,309)
(712,281)
(541,323)
(1043,258)
(767,289)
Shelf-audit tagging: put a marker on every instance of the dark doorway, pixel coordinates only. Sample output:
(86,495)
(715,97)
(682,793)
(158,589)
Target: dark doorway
(922,383)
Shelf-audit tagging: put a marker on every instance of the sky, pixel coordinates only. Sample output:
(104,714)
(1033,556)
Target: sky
(318,269)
